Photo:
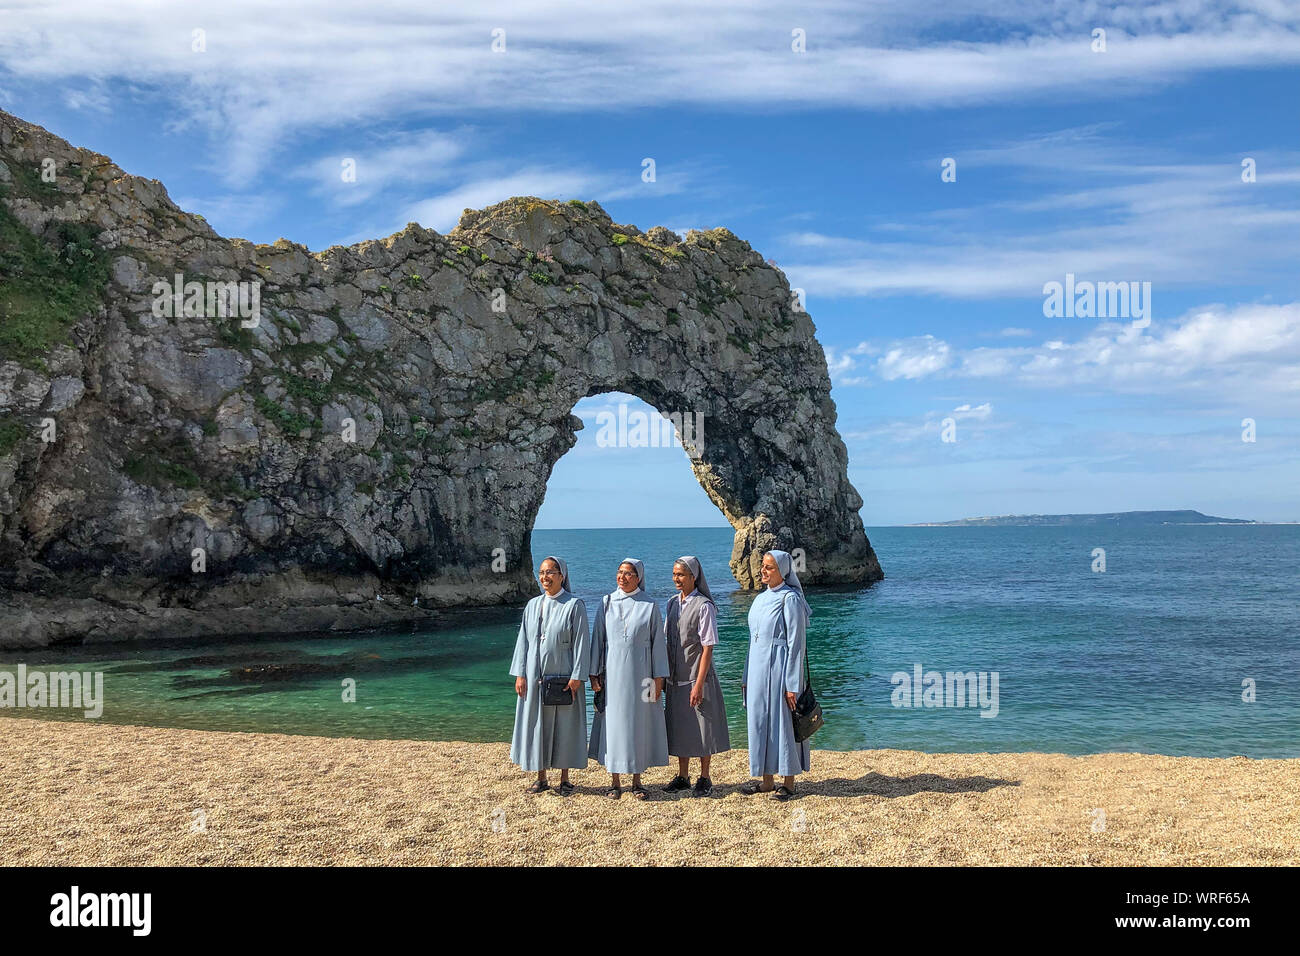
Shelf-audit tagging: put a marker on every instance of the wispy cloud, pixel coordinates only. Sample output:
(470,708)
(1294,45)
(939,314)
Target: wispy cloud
(844,363)
(1119,215)
(260,78)
(1243,353)
(977,412)
(443,211)
(915,359)
(236,212)
(405,158)
(1049,447)
(93,98)
(927,428)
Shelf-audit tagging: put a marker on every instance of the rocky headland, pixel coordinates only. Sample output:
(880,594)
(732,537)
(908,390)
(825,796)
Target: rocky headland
(373,441)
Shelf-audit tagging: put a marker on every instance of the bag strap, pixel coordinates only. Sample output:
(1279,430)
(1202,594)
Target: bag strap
(541,634)
(604,611)
(668,645)
(807,672)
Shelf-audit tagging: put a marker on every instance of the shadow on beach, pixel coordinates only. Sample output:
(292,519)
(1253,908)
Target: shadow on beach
(876,785)
(879,785)
(871,784)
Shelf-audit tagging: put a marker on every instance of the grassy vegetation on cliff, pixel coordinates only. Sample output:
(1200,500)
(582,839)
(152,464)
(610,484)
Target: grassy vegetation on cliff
(151,470)
(46,286)
(11,433)
(164,463)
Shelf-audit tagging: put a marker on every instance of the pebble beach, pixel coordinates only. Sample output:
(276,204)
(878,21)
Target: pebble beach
(101,794)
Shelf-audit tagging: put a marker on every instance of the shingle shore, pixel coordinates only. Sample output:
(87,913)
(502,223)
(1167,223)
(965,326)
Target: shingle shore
(84,793)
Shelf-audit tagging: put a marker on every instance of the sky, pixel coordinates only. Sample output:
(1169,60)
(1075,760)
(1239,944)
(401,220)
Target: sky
(922,170)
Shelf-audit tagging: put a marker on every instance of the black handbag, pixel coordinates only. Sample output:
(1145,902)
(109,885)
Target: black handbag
(555,687)
(807,713)
(555,690)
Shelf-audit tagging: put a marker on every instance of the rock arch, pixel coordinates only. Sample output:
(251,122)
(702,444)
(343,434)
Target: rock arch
(701,327)
(455,361)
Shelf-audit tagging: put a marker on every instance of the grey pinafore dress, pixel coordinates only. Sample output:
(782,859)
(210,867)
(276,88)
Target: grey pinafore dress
(692,731)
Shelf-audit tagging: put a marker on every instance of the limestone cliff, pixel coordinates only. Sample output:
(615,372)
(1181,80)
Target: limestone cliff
(386,430)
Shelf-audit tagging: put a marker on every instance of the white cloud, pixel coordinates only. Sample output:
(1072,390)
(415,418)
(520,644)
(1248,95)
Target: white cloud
(406,157)
(271,72)
(1141,217)
(442,212)
(93,98)
(1247,352)
(233,214)
(968,412)
(923,429)
(841,361)
(915,358)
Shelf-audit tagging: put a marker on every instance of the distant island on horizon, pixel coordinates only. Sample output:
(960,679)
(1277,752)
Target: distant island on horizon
(1131,518)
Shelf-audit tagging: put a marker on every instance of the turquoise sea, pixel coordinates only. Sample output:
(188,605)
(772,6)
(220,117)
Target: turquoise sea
(1148,656)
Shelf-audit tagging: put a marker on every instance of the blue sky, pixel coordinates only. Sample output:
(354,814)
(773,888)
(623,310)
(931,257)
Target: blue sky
(1115,165)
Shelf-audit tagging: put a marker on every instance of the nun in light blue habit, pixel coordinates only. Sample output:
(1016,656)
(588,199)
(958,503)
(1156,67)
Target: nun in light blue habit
(553,641)
(778,620)
(629,661)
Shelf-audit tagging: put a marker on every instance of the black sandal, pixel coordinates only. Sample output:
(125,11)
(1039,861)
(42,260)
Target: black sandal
(783,793)
(565,788)
(752,788)
(538,787)
(640,793)
(614,792)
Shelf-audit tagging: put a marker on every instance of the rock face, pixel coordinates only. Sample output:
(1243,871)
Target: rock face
(379,444)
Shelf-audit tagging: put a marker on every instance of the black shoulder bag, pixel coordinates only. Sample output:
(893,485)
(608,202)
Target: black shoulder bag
(555,687)
(807,713)
(555,691)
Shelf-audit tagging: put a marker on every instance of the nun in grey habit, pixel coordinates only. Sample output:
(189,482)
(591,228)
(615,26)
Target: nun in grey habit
(778,621)
(553,641)
(696,716)
(630,663)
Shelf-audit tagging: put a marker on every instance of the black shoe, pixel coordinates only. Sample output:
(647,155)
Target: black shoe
(703,787)
(678,783)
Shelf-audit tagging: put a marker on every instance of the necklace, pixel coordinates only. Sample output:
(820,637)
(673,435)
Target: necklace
(618,609)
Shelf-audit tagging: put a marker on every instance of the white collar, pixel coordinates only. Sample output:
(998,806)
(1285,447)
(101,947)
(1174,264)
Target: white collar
(619,594)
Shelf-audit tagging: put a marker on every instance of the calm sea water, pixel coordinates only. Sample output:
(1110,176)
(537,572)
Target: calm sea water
(1149,656)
